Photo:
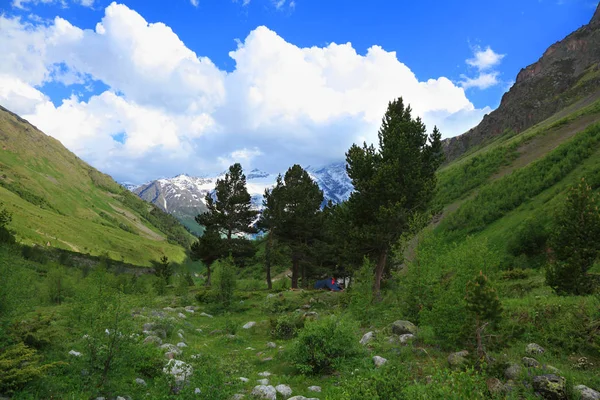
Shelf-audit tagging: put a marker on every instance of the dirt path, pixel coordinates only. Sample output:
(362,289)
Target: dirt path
(72,246)
(149,233)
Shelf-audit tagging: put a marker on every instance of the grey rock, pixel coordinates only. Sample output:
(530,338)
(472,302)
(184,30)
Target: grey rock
(149,326)
(181,315)
(191,308)
(302,398)
(171,348)
(249,325)
(205,315)
(237,396)
(532,349)
(550,386)
(264,374)
(180,370)
(181,345)
(458,359)
(140,381)
(271,345)
(285,390)
(403,327)
(153,340)
(311,315)
(267,392)
(244,379)
(587,393)
(315,389)
(531,362)
(367,338)
(263,381)
(407,337)
(513,371)
(379,361)
(74,353)
(197,391)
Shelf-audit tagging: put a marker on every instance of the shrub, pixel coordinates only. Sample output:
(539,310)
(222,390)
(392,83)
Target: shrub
(529,239)
(323,345)
(6,235)
(276,305)
(515,274)
(163,269)
(286,326)
(361,293)
(225,281)
(58,285)
(20,364)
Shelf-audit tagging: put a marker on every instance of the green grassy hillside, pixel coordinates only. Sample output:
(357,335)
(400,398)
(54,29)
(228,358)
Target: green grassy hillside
(60,201)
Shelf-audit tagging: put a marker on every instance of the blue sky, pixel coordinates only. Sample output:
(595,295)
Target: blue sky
(105,104)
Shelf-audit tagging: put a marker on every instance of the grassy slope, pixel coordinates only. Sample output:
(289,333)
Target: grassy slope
(57,198)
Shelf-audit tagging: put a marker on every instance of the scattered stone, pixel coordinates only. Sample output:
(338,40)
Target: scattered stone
(551,369)
(149,326)
(267,359)
(170,355)
(311,314)
(199,330)
(180,335)
(244,379)
(181,315)
(168,309)
(302,398)
(367,338)
(306,307)
(181,345)
(392,339)
(179,370)
(550,386)
(161,333)
(75,353)
(379,361)
(285,390)
(189,311)
(403,327)
(271,345)
(140,381)
(512,372)
(587,393)
(265,392)
(230,336)
(271,295)
(206,315)
(533,349)
(263,381)
(496,387)
(264,374)
(237,396)
(153,340)
(458,359)
(407,337)
(191,308)
(315,389)
(249,325)
(250,348)
(312,300)
(531,362)
(196,356)
(197,390)
(171,348)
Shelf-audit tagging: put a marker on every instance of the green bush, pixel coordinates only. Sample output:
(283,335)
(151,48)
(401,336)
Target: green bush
(224,282)
(286,326)
(20,364)
(361,293)
(324,345)
(529,239)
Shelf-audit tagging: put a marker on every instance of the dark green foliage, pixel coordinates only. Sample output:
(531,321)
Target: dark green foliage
(225,282)
(208,249)
(163,269)
(392,182)
(529,239)
(482,300)
(323,345)
(6,235)
(230,211)
(27,195)
(286,326)
(574,242)
(496,199)
(361,293)
(292,215)
(20,364)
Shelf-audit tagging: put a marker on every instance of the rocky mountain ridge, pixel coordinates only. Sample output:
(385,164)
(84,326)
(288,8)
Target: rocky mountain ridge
(567,72)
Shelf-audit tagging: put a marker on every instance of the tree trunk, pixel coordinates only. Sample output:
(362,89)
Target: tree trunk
(304,281)
(295,262)
(268,257)
(207,283)
(379,273)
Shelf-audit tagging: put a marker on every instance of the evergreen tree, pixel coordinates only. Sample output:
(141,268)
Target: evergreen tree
(163,269)
(6,236)
(208,249)
(230,211)
(392,182)
(574,242)
(291,214)
(272,215)
(482,300)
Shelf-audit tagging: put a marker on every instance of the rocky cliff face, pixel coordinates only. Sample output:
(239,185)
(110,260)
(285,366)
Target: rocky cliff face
(568,71)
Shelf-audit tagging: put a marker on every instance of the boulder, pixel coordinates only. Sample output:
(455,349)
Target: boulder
(75,353)
(153,340)
(302,398)
(197,391)
(264,392)
(407,337)
(237,396)
(181,315)
(206,315)
(379,361)
(550,369)
(587,393)
(513,372)
(191,308)
(249,325)
(140,381)
(550,386)
(271,345)
(264,374)
(403,327)
(367,338)
(263,382)
(285,390)
(181,345)
(531,362)
(245,380)
(495,387)
(315,389)
(458,359)
(533,348)
(180,370)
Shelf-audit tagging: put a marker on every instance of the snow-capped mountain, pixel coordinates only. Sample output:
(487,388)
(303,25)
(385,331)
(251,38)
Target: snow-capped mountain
(183,195)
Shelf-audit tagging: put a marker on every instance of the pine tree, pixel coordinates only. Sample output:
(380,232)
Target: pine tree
(482,300)
(292,215)
(208,249)
(392,182)
(574,242)
(230,211)
(163,269)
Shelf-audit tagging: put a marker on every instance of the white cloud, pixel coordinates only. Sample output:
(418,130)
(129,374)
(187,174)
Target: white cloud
(281,105)
(194,3)
(482,81)
(485,59)
(64,3)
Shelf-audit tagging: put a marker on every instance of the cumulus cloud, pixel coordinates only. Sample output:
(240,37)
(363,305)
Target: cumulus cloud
(167,109)
(64,3)
(194,3)
(485,62)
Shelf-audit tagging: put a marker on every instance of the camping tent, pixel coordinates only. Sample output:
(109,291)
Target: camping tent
(327,284)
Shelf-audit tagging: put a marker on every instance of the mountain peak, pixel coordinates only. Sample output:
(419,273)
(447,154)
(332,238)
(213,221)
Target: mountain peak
(596,18)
